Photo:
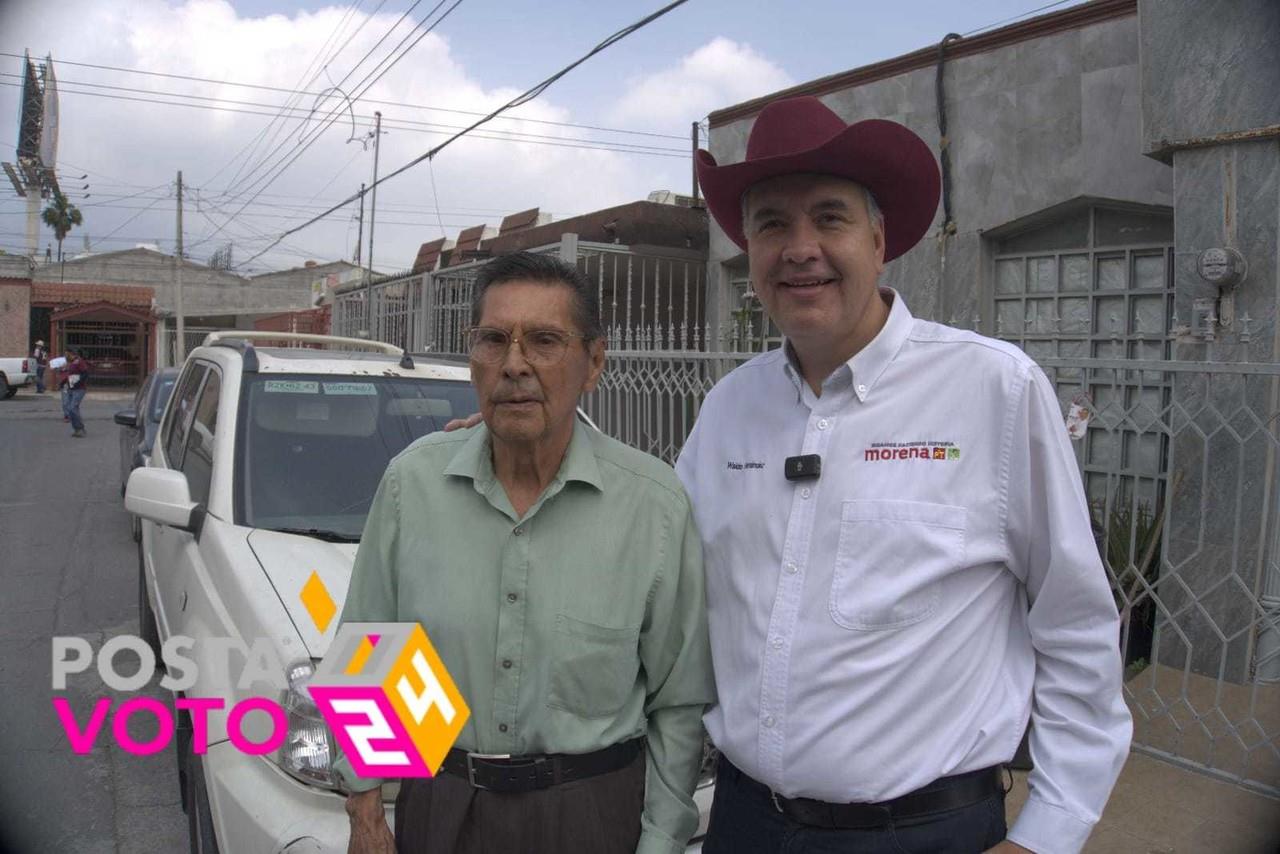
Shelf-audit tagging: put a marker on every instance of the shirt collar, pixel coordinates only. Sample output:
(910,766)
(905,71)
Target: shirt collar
(474,460)
(866,366)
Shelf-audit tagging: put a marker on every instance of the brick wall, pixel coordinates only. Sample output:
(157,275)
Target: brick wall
(15,316)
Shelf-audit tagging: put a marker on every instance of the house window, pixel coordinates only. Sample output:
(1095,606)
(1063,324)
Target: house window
(1097,283)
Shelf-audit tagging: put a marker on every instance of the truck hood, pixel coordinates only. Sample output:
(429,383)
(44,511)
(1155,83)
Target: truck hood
(288,561)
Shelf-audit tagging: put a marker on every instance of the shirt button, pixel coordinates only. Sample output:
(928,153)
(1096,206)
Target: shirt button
(518,531)
(806,492)
(502,727)
(862,389)
(791,568)
(777,643)
(822,423)
(506,664)
(511,597)
(769,722)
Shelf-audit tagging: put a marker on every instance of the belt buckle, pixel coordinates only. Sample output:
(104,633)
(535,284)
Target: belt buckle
(773,796)
(471,767)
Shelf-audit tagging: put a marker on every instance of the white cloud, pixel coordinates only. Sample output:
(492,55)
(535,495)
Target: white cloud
(128,146)
(718,74)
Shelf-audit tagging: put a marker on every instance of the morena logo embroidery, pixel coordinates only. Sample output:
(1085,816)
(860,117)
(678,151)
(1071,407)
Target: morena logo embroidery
(931,452)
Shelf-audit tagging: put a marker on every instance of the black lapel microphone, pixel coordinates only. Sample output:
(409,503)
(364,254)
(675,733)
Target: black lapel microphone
(805,467)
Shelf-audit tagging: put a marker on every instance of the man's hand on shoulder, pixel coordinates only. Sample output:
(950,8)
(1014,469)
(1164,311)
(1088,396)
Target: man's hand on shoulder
(1008,847)
(369,831)
(459,423)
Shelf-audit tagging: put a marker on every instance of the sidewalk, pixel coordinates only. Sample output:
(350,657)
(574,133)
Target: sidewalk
(1158,808)
(53,397)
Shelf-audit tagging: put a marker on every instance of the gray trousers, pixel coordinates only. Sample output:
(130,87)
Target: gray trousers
(598,815)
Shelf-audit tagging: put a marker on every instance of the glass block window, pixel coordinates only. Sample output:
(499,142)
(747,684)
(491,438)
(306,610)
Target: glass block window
(1097,284)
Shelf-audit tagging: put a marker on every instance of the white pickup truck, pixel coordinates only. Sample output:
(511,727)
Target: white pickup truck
(14,374)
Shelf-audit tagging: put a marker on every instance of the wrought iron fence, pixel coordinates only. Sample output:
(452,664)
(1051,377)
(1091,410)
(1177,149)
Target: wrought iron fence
(649,301)
(1181,461)
(193,337)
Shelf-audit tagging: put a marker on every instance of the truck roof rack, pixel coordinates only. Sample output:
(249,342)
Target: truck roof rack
(243,347)
(242,340)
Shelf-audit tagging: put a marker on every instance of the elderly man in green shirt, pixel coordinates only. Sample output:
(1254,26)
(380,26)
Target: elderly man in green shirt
(559,575)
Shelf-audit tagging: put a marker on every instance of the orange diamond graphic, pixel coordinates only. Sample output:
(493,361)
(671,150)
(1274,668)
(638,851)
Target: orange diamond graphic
(319,604)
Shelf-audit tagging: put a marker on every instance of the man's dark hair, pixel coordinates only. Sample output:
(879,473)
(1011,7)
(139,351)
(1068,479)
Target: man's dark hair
(547,270)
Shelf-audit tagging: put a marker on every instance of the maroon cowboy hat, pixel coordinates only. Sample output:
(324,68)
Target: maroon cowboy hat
(804,135)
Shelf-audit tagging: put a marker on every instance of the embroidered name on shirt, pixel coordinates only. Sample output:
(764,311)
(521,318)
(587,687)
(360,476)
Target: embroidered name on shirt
(940,451)
(741,466)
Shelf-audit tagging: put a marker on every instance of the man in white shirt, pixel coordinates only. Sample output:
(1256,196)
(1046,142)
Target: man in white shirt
(900,565)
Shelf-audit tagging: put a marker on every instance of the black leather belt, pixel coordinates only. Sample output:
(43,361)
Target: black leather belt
(505,773)
(942,795)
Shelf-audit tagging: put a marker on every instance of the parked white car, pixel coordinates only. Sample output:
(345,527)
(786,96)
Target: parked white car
(14,374)
(263,471)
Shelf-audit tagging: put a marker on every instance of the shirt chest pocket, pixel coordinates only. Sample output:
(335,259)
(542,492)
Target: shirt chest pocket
(594,667)
(892,560)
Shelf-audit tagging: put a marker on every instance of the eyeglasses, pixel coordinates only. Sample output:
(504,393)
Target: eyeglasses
(541,347)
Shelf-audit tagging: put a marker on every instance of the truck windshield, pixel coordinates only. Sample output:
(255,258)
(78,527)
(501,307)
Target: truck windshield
(312,448)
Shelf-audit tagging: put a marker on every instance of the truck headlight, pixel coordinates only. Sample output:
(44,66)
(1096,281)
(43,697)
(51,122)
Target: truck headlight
(308,750)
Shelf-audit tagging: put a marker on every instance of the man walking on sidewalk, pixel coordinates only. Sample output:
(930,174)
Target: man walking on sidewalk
(40,355)
(74,384)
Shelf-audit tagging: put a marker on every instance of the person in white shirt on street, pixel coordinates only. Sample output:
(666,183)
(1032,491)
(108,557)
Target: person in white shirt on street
(900,566)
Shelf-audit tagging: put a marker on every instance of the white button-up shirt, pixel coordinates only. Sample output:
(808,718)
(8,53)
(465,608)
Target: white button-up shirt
(900,617)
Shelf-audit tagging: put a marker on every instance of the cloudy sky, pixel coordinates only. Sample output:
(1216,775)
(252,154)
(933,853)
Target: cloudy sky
(258,158)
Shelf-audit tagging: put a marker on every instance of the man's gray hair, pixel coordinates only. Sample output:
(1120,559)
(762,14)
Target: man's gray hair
(546,270)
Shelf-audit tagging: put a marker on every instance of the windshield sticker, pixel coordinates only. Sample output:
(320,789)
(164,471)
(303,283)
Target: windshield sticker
(350,388)
(291,387)
(313,410)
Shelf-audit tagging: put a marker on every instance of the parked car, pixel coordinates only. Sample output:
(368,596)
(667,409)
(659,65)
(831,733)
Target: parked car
(263,471)
(14,374)
(138,426)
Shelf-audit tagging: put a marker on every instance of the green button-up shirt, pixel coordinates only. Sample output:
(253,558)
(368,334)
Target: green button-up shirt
(577,626)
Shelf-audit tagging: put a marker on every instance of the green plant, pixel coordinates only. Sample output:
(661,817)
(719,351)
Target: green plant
(61,216)
(1128,537)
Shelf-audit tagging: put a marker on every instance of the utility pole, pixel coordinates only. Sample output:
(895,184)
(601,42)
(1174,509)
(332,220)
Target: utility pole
(180,352)
(360,227)
(373,211)
(695,163)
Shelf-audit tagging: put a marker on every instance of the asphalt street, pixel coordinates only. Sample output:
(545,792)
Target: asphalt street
(68,566)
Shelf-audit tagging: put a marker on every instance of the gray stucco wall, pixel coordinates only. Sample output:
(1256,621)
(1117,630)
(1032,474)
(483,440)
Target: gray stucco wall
(1032,125)
(204,290)
(300,279)
(1210,67)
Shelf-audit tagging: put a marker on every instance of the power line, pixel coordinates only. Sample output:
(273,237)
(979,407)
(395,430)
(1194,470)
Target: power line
(399,124)
(376,73)
(334,113)
(1044,8)
(366,100)
(524,98)
(247,151)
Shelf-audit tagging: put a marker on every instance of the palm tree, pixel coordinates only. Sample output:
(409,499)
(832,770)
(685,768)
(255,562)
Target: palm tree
(61,216)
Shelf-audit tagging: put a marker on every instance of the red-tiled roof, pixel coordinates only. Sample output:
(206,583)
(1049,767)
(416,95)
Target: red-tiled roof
(428,255)
(468,240)
(518,221)
(71,293)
